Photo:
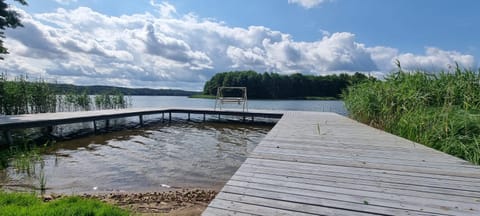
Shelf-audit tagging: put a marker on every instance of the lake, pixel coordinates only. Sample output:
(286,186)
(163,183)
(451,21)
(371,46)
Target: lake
(159,156)
(303,105)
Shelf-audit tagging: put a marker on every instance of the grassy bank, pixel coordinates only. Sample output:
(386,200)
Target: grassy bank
(28,204)
(440,110)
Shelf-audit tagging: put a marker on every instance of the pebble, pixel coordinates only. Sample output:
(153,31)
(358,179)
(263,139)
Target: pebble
(168,199)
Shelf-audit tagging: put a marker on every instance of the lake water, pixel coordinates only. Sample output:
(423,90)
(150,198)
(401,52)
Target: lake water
(157,157)
(304,105)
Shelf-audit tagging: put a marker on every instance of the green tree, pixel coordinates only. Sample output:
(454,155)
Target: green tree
(276,86)
(8,19)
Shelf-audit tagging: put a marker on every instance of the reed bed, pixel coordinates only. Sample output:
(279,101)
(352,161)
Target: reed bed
(19,96)
(440,110)
(23,96)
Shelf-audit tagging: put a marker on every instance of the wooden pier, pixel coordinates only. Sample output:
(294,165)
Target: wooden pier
(315,163)
(48,120)
(326,164)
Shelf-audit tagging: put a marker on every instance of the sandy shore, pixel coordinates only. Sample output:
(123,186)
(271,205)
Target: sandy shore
(186,202)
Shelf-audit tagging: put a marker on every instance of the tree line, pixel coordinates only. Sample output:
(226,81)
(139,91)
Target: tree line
(276,86)
(94,90)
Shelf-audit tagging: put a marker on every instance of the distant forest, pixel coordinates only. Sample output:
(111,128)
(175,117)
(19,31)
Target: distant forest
(276,86)
(96,90)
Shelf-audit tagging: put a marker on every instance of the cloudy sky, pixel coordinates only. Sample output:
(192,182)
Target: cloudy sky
(181,44)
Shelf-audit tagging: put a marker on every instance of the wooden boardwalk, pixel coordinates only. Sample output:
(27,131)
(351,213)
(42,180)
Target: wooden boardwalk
(48,120)
(325,164)
(8,122)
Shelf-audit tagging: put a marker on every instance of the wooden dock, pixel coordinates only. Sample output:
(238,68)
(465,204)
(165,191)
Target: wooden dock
(48,120)
(315,163)
(326,164)
(8,122)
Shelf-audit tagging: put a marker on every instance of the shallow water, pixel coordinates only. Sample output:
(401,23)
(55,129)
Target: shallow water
(153,158)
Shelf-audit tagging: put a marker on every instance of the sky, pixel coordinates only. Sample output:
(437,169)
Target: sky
(181,44)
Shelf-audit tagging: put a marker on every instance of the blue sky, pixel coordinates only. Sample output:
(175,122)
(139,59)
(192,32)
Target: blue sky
(180,44)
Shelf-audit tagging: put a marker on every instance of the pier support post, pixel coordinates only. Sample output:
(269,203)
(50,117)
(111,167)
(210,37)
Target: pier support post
(47,131)
(140,117)
(163,117)
(188,116)
(95,126)
(169,117)
(244,118)
(253,119)
(219,117)
(107,124)
(8,137)
(203,117)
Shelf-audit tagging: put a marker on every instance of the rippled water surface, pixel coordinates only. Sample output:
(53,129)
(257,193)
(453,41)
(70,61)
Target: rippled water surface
(182,154)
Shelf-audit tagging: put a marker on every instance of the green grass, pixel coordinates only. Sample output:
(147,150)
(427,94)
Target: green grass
(29,204)
(440,110)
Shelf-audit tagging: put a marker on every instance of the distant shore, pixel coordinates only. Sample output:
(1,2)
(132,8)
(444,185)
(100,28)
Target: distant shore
(202,96)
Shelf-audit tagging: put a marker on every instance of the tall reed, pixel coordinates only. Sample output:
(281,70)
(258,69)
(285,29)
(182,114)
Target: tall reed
(22,96)
(112,100)
(440,110)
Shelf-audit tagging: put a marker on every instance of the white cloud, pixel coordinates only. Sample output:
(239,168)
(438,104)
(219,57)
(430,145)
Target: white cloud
(435,59)
(384,57)
(65,2)
(307,3)
(83,46)
(165,9)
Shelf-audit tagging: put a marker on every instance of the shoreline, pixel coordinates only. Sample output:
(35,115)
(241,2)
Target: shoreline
(183,201)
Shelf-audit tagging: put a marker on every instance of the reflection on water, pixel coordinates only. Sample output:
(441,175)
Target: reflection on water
(183,154)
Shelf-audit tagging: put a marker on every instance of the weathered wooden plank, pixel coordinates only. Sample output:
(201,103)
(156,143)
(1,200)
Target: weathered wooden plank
(404,158)
(213,211)
(361,186)
(249,208)
(443,187)
(371,145)
(364,163)
(350,197)
(296,206)
(327,205)
(360,171)
(319,144)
